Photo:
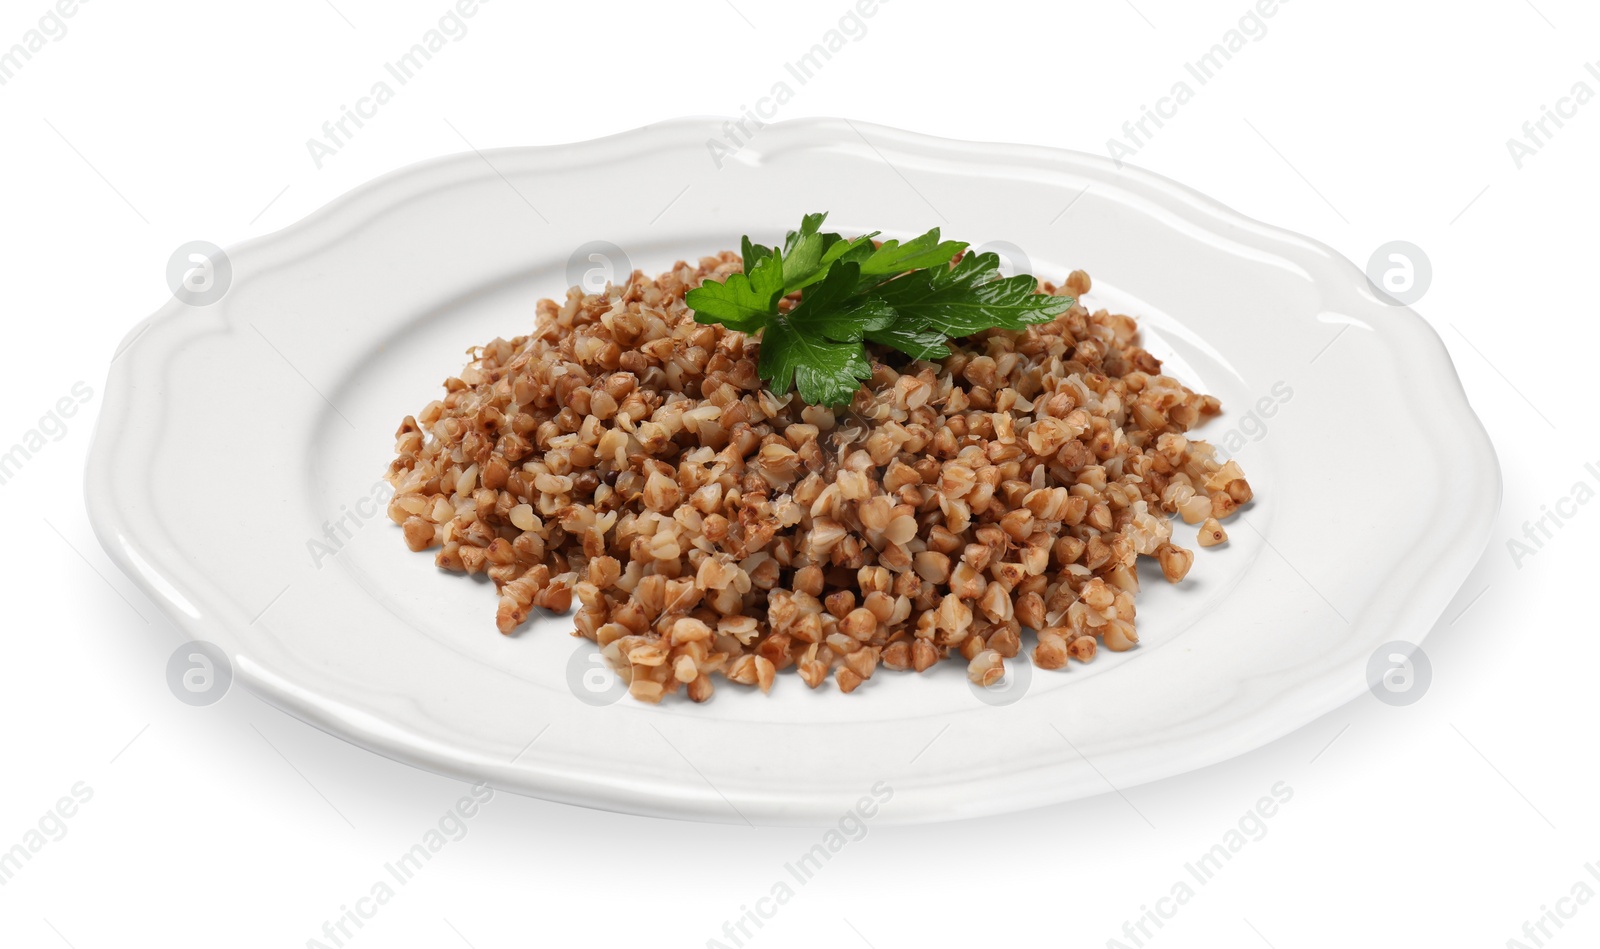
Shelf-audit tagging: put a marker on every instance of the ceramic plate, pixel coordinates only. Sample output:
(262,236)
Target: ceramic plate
(236,476)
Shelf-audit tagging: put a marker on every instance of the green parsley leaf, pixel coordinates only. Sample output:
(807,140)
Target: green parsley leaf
(753,253)
(808,254)
(825,373)
(969,298)
(919,252)
(745,300)
(802,250)
(833,309)
(818,343)
(838,249)
(914,342)
(903,295)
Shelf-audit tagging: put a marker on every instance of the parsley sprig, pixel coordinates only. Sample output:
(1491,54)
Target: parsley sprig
(906,296)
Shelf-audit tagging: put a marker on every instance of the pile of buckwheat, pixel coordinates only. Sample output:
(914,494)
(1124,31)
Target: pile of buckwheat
(629,456)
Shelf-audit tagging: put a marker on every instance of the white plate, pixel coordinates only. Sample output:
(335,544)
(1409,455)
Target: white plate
(234,432)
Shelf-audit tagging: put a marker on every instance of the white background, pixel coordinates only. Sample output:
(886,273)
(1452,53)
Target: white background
(1449,822)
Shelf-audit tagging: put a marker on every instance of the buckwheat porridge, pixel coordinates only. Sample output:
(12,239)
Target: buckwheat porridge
(715,525)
